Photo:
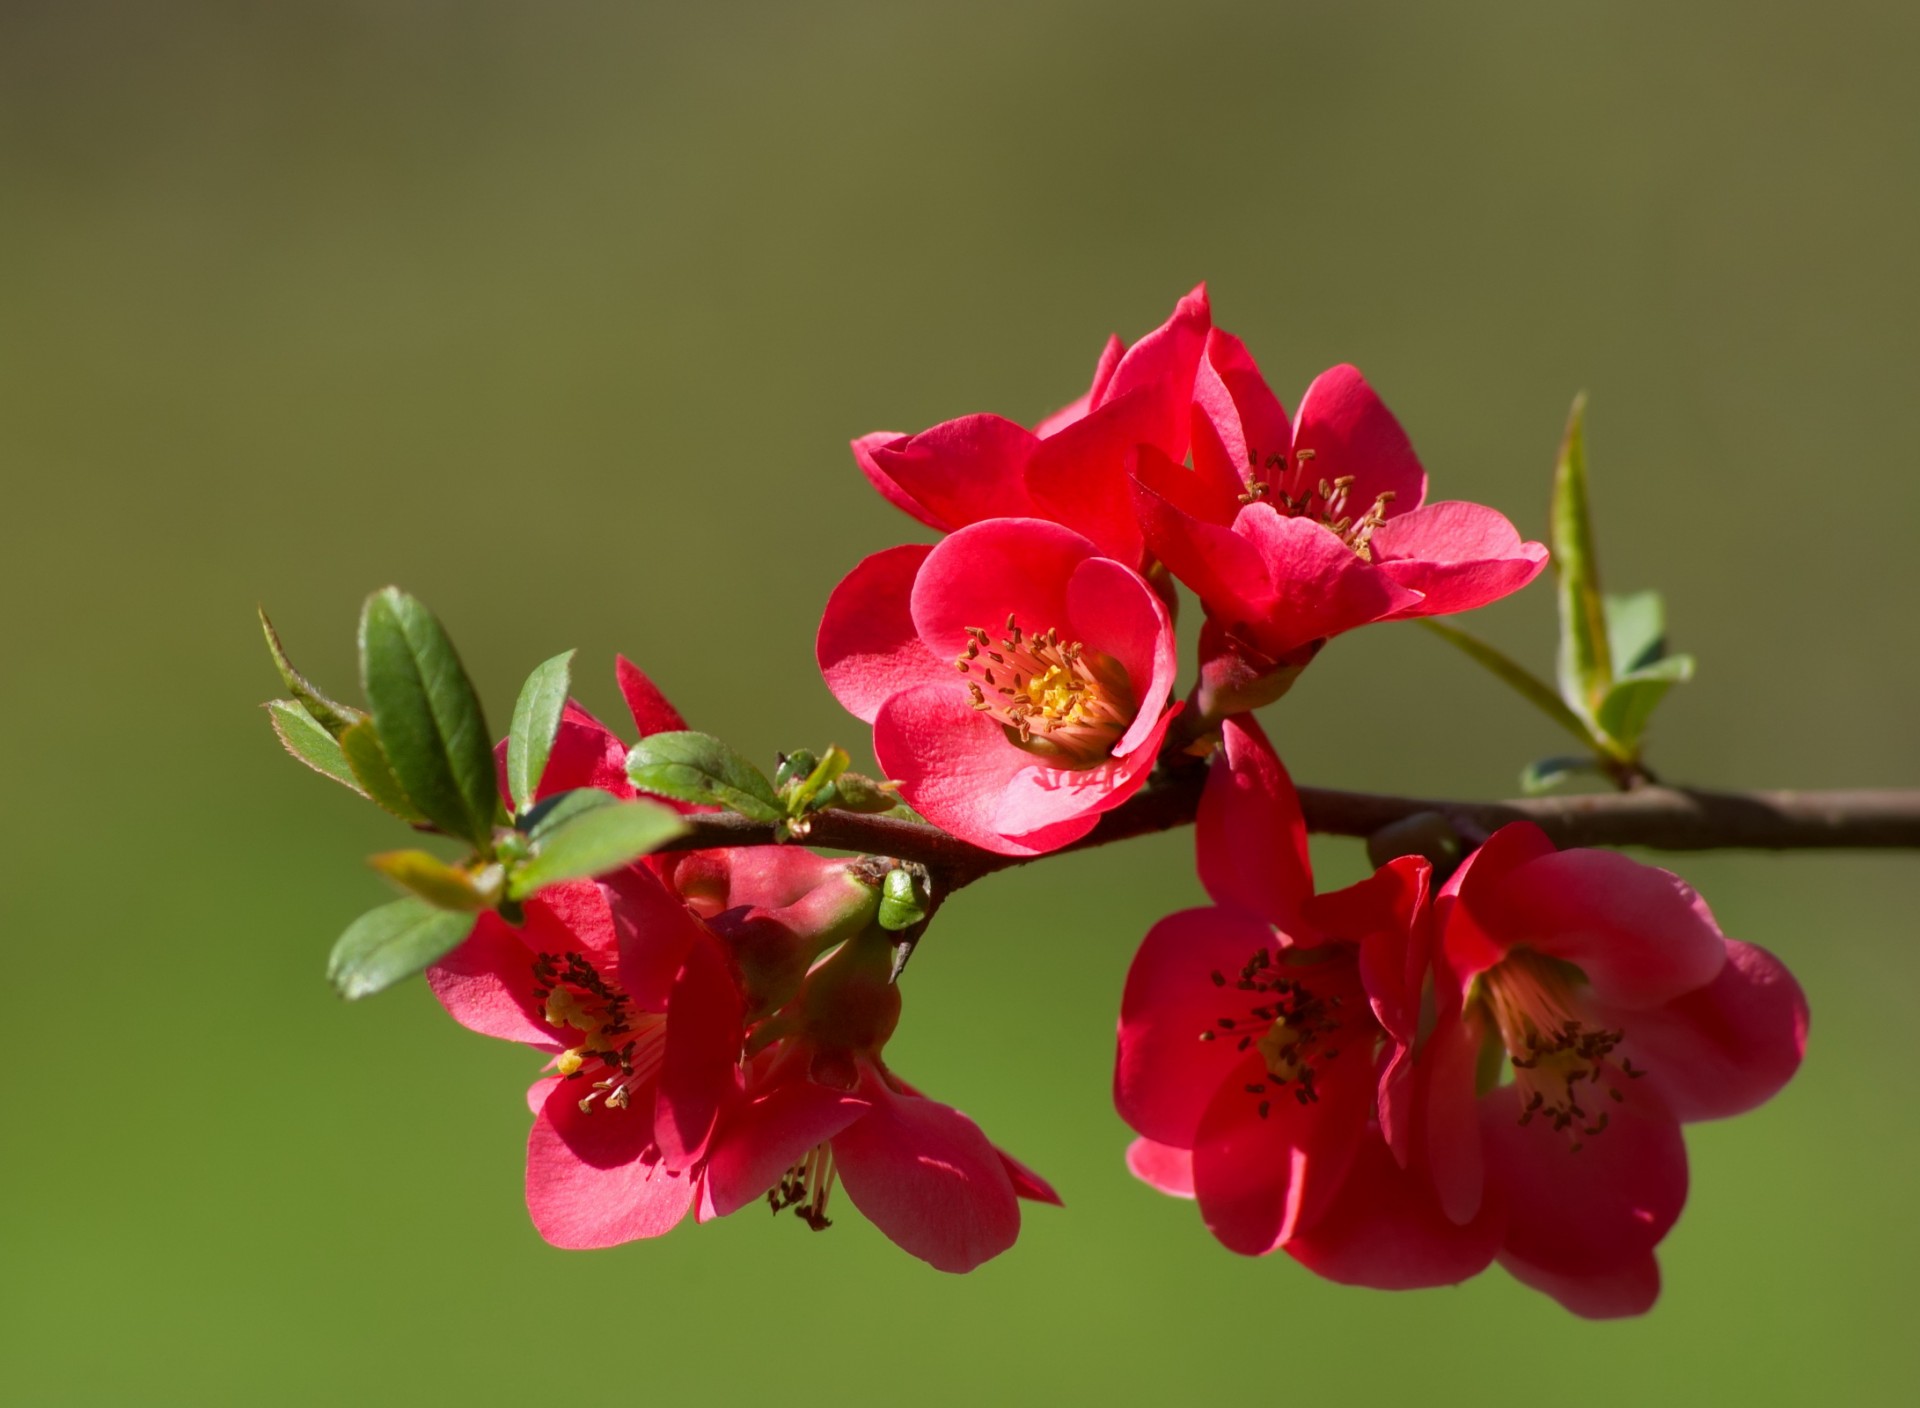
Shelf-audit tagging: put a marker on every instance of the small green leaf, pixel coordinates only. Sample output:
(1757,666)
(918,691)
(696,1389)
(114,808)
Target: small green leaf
(393,942)
(441,885)
(1586,668)
(334,717)
(428,716)
(699,768)
(1545,774)
(303,736)
(903,900)
(536,720)
(594,842)
(856,792)
(1630,703)
(1530,687)
(818,783)
(562,807)
(1636,630)
(361,746)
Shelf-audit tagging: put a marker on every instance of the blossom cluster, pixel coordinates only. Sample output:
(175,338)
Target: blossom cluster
(1397,1084)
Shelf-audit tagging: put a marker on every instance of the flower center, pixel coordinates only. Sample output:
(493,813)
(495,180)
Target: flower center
(1286,1021)
(805,1188)
(1326,502)
(1053,697)
(622,1048)
(1532,1001)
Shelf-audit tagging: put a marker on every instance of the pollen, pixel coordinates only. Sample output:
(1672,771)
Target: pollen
(1053,697)
(1328,502)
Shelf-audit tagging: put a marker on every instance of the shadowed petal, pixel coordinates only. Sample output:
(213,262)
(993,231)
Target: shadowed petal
(770,1135)
(588,1184)
(1350,431)
(1249,836)
(867,647)
(1607,1295)
(1385,1230)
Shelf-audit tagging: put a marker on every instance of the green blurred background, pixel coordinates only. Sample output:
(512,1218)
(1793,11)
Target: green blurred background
(561,315)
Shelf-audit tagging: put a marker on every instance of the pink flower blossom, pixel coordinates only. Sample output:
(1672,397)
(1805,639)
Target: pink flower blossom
(1622,1012)
(1292,531)
(1072,468)
(817,1105)
(1265,1044)
(1017,680)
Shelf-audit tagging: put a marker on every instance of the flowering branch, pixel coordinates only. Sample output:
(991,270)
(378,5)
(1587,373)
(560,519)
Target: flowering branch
(1663,818)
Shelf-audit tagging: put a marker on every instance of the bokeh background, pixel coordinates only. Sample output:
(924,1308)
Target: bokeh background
(561,315)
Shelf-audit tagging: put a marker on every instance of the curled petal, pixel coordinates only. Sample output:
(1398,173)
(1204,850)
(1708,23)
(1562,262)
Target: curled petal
(957,473)
(925,1175)
(1160,367)
(652,713)
(863,455)
(1350,431)
(1458,556)
(764,1138)
(868,648)
(1239,424)
(1114,611)
(979,575)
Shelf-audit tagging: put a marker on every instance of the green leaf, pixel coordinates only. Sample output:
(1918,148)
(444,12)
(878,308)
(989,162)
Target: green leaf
(536,720)
(1631,701)
(818,781)
(594,842)
(334,717)
(699,768)
(562,807)
(1636,630)
(441,885)
(1586,669)
(393,942)
(1530,687)
(361,747)
(428,716)
(1545,774)
(303,736)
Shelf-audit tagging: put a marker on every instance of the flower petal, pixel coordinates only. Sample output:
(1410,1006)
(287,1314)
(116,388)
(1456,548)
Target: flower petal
(1164,1074)
(1597,1208)
(925,1175)
(1239,424)
(1161,367)
(1320,586)
(959,472)
(588,1184)
(1350,431)
(769,1135)
(1723,1048)
(1110,608)
(1456,1153)
(1162,1167)
(1458,555)
(652,713)
(486,985)
(979,575)
(1249,836)
(1223,568)
(1080,477)
(655,932)
(1385,1230)
(1026,1183)
(863,455)
(867,647)
(1641,934)
(1469,940)
(1606,1295)
(700,1056)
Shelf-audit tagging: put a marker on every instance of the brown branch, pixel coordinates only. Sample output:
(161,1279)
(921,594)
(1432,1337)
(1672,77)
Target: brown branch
(1663,818)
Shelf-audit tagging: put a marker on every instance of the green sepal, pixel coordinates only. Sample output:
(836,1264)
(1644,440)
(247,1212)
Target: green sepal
(1585,663)
(361,747)
(536,722)
(441,885)
(428,716)
(393,942)
(697,767)
(594,842)
(303,736)
(336,718)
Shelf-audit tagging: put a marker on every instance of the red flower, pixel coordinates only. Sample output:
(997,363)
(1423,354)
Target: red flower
(1292,532)
(1622,1012)
(1017,681)
(1264,1046)
(817,1105)
(1072,468)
